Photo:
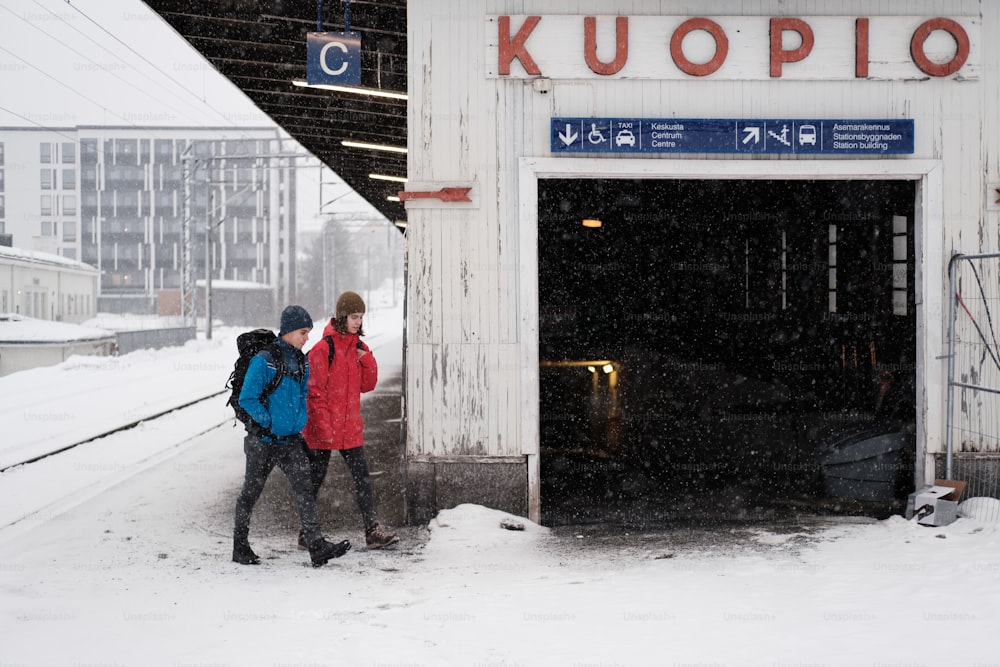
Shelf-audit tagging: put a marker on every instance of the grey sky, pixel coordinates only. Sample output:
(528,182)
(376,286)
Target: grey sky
(115,62)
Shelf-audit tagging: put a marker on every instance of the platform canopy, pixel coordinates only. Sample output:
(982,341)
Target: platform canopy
(260,45)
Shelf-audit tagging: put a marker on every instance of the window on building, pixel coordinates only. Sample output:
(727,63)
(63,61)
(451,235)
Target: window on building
(832,269)
(126,152)
(88,151)
(49,228)
(3,208)
(88,177)
(68,153)
(164,202)
(1,164)
(899,264)
(46,207)
(162,149)
(69,179)
(127,203)
(69,253)
(45,153)
(46,179)
(69,231)
(69,205)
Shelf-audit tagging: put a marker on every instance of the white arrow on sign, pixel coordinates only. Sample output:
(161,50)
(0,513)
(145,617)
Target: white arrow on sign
(569,136)
(753,133)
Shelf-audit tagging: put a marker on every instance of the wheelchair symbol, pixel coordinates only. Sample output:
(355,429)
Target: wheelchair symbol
(595,136)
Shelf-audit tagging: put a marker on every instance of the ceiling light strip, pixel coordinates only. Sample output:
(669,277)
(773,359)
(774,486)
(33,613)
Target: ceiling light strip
(373,147)
(357,90)
(387,177)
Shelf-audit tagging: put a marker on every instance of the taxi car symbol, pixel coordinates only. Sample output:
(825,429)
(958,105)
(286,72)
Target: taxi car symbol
(624,137)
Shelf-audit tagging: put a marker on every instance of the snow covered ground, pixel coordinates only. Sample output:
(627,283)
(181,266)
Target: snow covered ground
(117,553)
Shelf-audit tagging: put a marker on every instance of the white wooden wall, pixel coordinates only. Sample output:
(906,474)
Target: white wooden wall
(471,317)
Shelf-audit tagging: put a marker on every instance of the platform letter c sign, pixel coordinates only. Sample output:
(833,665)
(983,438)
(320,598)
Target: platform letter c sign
(333,58)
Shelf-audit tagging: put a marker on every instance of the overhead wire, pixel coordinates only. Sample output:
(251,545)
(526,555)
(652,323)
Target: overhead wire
(64,45)
(67,87)
(306,173)
(143,58)
(282,136)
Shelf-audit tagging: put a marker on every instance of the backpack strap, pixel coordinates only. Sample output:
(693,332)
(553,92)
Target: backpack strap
(279,365)
(329,342)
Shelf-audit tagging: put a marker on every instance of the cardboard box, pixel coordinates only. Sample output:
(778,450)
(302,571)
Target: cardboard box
(935,505)
(958,486)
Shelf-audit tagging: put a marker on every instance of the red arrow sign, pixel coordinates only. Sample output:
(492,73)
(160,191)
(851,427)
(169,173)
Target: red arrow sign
(444,194)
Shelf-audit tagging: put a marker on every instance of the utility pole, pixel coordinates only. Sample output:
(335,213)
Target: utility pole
(187,261)
(208,254)
(188,282)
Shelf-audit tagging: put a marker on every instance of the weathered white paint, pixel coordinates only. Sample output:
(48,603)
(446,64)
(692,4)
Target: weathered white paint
(472,387)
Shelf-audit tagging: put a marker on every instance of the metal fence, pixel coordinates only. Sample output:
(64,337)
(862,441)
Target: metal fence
(153,339)
(973,414)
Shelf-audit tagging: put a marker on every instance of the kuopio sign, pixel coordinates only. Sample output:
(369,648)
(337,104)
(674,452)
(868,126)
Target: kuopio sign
(733,47)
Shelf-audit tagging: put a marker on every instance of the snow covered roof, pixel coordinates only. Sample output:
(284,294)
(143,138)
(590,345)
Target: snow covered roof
(19,330)
(234,285)
(45,258)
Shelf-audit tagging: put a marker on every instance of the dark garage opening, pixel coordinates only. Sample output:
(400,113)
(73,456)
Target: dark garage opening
(725,350)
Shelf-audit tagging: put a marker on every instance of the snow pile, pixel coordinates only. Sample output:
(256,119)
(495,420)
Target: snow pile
(473,533)
(981,509)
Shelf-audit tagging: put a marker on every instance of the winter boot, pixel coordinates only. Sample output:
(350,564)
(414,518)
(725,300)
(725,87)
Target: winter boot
(303,545)
(378,537)
(243,554)
(322,551)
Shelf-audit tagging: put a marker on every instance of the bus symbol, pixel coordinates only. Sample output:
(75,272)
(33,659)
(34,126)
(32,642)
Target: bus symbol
(807,135)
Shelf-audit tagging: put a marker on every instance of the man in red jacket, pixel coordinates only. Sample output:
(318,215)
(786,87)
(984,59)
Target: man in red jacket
(341,369)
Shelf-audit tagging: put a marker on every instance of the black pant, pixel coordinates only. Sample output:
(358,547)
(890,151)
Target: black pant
(357,464)
(262,457)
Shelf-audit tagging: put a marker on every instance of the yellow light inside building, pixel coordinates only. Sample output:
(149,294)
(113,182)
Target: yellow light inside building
(592,223)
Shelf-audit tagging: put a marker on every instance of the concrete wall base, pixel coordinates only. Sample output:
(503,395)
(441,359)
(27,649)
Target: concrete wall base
(435,484)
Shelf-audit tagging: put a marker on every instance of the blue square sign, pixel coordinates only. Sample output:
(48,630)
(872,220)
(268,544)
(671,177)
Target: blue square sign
(333,58)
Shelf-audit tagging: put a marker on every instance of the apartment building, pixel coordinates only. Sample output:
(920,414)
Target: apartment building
(152,207)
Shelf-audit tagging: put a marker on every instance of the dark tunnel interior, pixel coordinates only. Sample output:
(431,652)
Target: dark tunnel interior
(725,350)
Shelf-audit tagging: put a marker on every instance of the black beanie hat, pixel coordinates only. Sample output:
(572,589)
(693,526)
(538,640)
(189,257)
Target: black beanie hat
(349,303)
(294,318)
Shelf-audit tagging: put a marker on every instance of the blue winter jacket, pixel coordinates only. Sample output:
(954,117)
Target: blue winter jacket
(285,413)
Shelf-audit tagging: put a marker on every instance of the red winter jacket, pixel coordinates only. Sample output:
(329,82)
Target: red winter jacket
(334,403)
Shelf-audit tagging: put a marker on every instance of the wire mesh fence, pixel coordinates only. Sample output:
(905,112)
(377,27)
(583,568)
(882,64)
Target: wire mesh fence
(973,414)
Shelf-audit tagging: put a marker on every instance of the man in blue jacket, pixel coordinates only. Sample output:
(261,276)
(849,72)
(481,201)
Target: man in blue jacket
(275,440)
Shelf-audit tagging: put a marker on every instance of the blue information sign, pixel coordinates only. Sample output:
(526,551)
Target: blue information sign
(686,135)
(333,58)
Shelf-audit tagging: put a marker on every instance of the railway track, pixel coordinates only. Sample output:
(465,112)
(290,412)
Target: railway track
(111,431)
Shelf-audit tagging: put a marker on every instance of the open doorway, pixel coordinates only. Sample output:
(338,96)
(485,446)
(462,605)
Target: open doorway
(724,349)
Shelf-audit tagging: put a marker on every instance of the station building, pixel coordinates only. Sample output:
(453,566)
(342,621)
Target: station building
(701,246)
